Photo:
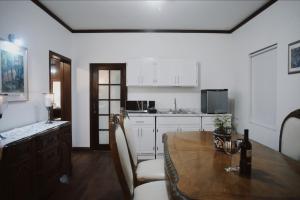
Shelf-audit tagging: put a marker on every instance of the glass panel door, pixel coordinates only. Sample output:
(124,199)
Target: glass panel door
(109,93)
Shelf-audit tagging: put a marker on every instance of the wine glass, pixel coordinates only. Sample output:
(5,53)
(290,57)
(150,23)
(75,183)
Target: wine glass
(231,147)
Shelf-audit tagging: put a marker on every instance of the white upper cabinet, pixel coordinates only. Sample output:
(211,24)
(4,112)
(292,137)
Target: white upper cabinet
(162,72)
(134,73)
(188,74)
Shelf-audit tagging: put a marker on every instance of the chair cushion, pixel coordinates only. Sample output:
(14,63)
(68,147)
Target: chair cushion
(150,170)
(156,190)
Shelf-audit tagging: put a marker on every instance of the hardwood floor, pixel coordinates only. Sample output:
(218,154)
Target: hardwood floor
(94,178)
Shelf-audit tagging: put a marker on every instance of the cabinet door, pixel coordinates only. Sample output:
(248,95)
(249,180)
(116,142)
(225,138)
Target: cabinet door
(147,141)
(187,129)
(136,139)
(208,124)
(188,73)
(133,73)
(149,72)
(167,73)
(159,134)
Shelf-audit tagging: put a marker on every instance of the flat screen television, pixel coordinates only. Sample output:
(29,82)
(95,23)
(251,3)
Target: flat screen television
(214,101)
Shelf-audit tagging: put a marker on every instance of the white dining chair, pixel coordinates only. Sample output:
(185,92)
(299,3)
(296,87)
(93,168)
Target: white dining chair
(149,170)
(156,190)
(289,141)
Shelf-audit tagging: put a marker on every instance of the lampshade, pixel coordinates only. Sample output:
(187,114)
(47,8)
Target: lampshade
(3,104)
(49,99)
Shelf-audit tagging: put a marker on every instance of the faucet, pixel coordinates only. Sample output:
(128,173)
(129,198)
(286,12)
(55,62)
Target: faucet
(175,105)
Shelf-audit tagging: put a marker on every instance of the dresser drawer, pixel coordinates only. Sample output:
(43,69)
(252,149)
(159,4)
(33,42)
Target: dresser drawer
(19,151)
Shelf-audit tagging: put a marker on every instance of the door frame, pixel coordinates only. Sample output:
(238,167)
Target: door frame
(94,102)
(66,60)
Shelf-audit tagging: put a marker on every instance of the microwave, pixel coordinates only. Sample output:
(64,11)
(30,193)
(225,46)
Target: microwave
(136,106)
(214,101)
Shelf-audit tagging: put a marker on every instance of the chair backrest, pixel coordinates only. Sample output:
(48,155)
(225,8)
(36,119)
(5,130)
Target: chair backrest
(130,139)
(120,156)
(289,141)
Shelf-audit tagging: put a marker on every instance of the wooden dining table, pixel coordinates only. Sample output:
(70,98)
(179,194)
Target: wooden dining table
(195,170)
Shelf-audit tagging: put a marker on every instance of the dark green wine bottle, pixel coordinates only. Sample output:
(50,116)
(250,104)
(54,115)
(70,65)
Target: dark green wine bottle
(246,155)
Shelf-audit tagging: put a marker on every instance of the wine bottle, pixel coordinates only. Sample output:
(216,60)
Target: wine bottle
(246,155)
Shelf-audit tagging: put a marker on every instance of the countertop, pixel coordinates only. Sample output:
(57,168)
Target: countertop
(173,115)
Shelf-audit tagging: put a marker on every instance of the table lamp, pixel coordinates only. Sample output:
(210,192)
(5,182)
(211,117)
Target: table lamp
(3,103)
(49,100)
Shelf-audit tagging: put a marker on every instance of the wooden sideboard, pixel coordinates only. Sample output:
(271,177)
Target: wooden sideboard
(31,168)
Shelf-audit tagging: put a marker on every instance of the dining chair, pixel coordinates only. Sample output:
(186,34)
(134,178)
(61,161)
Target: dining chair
(156,190)
(146,171)
(289,141)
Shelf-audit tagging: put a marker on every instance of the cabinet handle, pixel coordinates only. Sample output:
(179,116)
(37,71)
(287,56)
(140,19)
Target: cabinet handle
(157,148)
(138,132)
(139,121)
(153,148)
(141,132)
(153,130)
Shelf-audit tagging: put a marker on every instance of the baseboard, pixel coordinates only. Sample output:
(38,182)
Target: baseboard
(81,149)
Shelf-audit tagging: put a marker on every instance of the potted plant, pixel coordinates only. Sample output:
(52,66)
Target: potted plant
(222,132)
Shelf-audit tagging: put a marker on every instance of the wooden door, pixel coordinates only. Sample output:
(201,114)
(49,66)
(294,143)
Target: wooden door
(108,93)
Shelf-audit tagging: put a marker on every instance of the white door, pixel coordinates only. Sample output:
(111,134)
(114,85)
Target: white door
(147,141)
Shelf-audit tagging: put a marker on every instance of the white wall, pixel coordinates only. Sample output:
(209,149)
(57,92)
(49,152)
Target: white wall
(40,33)
(213,51)
(278,24)
(224,63)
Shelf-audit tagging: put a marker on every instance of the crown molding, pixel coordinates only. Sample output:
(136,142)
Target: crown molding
(254,14)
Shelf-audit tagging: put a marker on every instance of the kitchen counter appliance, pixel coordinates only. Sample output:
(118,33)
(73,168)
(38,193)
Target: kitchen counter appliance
(214,101)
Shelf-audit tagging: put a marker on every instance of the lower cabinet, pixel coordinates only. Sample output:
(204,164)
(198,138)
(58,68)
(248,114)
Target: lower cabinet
(144,132)
(31,168)
(148,131)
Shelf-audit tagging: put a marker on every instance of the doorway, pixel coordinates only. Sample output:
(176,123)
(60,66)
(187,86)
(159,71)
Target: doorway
(60,86)
(108,93)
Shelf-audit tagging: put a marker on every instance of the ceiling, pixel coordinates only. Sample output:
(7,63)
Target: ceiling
(153,16)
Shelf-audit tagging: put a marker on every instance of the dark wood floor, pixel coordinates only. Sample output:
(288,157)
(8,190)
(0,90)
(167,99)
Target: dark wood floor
(94,178)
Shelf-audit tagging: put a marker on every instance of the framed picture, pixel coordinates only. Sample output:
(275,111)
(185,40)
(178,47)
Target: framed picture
(294,57)
(13,71)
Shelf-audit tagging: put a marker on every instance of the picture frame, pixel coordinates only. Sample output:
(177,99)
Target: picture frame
(13,71)
(294,57)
